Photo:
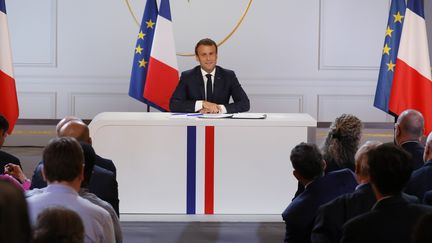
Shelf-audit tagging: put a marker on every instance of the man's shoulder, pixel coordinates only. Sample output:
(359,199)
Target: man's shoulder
(223,71)
(105,163)
(7,157)
(191,71)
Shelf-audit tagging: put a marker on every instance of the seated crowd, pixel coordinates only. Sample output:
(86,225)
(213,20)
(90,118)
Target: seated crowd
(346,192)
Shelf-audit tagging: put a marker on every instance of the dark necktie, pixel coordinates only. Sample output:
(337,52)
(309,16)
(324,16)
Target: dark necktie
(209,88)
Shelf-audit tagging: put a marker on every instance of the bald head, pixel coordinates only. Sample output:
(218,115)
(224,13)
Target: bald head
(76,129)
(409,126)
(65,120)
(361,161)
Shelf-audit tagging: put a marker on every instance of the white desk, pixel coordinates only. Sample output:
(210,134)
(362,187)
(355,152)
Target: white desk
(252,172)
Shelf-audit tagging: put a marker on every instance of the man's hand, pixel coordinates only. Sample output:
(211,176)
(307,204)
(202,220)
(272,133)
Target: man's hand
(15,171)
(209,107)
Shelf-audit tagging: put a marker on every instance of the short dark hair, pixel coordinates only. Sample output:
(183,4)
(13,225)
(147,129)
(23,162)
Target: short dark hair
(58,224)
(307,160)
(4,124)
(205,42)
(390,168)
(63,159)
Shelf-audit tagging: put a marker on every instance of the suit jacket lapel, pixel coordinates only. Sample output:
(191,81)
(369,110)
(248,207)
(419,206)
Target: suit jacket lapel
(200,82)
(217,84)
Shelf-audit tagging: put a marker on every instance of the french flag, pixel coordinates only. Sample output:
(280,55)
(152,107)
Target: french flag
(8,96)
(162,75)
(412,82)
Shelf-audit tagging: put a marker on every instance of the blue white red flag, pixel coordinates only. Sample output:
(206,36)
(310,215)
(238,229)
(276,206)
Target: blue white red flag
(142,51)
(154,72)
(162,77)
(8,96)
(389,54)
(412,82)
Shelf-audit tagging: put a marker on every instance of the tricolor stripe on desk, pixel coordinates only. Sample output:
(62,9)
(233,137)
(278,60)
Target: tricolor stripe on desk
(191,192)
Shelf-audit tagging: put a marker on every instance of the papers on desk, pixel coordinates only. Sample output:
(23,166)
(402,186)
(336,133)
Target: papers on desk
(249,116)
(235,116)
(220,116)
(216,116)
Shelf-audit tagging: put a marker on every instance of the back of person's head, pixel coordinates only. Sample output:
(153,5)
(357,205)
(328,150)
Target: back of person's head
(76,129)
(307,160)
(89,162)
(63,159)
(14,217)
(390,168)
(422,230)
(343,140)
(4,124)
(65,120)
(361,158)
(205,42)
(410,124)
(60,225)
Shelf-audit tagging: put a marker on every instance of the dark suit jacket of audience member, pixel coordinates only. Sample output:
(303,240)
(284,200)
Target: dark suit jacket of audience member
(191,89)
(427,199)
(421,181)
(391,220)
(299,216)
(416,150)
(6,158)
(102,183)
(334,214)
(106,164)
(331,166)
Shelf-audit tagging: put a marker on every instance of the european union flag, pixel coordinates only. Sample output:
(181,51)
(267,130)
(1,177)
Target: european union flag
(389,54)
(142,52)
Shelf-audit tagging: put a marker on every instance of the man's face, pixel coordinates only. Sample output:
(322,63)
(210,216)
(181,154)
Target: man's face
(207,57)
(3,135)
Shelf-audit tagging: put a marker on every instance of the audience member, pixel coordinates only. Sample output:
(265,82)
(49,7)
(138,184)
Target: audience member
(421,179)
(422,231)
(409,129)
(63,169)
(393,217)
(14,217)
(309,169)
(59,225)
(333,215)
(103,182)
(342,142)
(89,158)
(5,158)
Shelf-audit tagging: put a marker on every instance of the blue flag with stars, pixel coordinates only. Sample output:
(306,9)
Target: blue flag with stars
(142,51)
(389,54)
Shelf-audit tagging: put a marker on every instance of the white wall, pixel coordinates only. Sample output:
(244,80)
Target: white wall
(315,56)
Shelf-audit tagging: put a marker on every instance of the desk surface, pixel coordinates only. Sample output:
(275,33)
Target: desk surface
(161,118)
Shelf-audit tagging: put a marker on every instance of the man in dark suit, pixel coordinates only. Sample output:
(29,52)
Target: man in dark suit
(421,179)
(103,183)
(5,158)
(208,88)
(309,170)
(333,215)
(409,129)
(392,218)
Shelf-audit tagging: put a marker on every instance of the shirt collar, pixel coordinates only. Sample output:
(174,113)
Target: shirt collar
(204,73)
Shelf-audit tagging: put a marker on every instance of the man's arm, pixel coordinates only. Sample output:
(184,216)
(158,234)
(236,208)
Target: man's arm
(179,101)
(240,98)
